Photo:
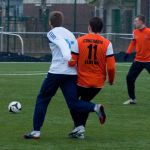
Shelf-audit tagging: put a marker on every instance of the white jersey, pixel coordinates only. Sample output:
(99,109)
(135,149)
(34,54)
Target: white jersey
(62,43)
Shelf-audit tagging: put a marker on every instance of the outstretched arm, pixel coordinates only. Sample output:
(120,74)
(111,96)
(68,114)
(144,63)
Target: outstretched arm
(131,46)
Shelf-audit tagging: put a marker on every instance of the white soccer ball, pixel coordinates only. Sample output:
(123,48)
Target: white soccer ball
(14,107)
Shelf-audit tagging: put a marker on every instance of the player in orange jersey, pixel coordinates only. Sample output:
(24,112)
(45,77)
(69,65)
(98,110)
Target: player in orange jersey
(95,60)
(141,42)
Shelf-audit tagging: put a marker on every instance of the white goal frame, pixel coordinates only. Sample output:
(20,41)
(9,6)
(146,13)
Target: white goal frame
(11,34)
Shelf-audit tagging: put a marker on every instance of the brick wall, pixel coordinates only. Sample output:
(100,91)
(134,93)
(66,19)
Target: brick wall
(84,13)
(145,10)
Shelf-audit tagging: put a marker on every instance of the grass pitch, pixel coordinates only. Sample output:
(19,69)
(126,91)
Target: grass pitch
(127,127)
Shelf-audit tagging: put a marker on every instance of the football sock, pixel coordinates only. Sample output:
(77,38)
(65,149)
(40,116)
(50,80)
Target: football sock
(36,132)
(96,108)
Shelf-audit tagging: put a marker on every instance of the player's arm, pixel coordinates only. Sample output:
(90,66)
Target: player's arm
(110,60)
(74,59)
(130,47)
(74,54)
(61,43)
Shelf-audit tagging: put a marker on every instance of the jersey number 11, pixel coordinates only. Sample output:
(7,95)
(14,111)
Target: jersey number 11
(91,48)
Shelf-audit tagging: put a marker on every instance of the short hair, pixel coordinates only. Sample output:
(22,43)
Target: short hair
(142,18)
(56,18)
(96,24)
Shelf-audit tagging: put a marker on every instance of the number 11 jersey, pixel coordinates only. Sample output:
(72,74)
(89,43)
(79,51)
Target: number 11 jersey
(93,52)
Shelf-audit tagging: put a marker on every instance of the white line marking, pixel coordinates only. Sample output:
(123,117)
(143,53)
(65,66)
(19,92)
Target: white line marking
(23,74)
(25,62)
(121,71)
(23,71)
(123,64)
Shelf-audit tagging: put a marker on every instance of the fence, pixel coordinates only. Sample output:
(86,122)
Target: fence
(120,41)
(36,43)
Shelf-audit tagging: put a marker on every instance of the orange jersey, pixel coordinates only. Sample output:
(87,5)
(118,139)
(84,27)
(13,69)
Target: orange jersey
(92,61)
(141,43)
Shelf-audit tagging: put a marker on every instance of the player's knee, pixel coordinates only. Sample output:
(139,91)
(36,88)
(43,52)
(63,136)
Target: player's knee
(72,106)
(130,78)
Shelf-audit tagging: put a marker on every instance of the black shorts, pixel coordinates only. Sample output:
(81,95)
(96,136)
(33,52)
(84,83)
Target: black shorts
(87,93)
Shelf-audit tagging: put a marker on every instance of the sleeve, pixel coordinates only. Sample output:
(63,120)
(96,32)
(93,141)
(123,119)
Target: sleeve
(61,43)
(74,54)
(109,51)
(131,45)
(110,60)
(111,69)
(74,49)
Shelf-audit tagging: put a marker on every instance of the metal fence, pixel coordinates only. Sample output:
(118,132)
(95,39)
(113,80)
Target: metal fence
(120,41)
(36,43)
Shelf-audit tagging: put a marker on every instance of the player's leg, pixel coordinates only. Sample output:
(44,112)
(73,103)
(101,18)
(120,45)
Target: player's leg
(69,90)
(147,66)
(86,94)
(78,131)
(74,114)
(47,91)
(132,75)
(80,118)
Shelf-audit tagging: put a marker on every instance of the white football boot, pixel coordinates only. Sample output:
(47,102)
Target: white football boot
(130,102)
(32,135)
(77,132)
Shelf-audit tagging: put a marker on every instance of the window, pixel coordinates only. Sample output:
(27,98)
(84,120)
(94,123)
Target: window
(116,23)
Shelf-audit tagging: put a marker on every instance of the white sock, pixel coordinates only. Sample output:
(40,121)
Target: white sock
(133,99)
(80,127)
(96,108)
(36,132)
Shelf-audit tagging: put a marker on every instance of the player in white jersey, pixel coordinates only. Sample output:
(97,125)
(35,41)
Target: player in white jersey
(60,75)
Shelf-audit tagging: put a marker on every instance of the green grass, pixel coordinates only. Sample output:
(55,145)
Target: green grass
(127,127)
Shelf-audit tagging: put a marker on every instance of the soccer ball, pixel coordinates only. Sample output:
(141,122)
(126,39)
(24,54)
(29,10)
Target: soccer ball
(14,107)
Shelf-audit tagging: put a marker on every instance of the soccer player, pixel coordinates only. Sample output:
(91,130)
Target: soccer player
(141,43)
(95,61)
(62,43)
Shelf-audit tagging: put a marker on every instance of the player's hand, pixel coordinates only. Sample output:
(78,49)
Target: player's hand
(126,57)
(72,63)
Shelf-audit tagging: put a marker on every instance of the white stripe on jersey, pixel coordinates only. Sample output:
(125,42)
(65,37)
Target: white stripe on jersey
(110,50)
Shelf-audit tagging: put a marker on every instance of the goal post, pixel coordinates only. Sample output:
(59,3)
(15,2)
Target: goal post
(1,39)
(2,36)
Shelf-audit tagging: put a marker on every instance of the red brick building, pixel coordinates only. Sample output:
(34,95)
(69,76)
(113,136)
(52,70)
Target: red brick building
(145,10)
(36,22)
